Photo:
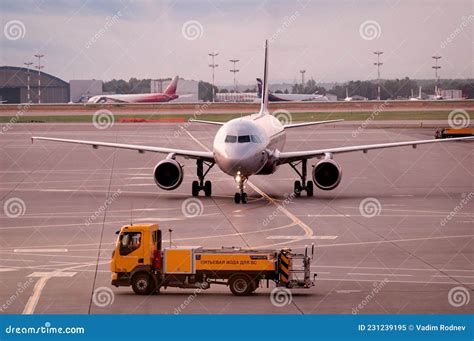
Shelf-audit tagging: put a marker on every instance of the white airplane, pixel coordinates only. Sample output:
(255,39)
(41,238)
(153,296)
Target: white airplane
(275,97)
(248,146)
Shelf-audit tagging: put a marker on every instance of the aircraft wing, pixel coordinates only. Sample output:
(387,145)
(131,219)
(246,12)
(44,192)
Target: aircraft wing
(208,122)
(296,125)
(286,157)
(188,154)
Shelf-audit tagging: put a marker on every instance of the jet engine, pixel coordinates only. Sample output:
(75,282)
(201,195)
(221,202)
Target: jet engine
(168,174)
(327,174)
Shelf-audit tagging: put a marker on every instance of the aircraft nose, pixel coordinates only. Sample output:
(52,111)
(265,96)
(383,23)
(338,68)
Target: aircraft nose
(246,158)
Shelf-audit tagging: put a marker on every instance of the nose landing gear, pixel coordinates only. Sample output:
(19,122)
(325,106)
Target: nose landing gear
(240,196)
(302,185)
(201,185)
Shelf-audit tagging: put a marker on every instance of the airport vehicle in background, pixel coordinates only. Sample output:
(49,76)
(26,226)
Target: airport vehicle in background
(168,95)
(251,145)
(274,97)
(141,261)
(442,133)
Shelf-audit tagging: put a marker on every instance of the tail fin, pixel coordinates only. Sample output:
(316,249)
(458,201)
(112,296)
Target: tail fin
(171,88)
(259,87)
(264,103)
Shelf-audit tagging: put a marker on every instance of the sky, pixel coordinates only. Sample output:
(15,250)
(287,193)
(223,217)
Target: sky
(333,40)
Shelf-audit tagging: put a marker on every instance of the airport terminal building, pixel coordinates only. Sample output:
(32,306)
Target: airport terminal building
(14,86)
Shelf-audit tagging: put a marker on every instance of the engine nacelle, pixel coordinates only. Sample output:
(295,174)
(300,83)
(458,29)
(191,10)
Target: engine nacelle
(168,174)
(327,174)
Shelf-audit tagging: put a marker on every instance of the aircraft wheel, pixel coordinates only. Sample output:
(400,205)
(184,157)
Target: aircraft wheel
(309,188)
(297,188)
(244,198)
(196,188)
(237,198)
(207,188)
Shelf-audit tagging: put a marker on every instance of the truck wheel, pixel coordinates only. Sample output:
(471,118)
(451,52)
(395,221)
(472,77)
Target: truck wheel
(142,284)
(241,285)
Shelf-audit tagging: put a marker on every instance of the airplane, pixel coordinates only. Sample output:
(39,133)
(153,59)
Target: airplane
(168,95)
(248,146)
(274,97)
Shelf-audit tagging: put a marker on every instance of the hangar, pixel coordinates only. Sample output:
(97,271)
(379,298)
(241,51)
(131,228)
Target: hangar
(14,86)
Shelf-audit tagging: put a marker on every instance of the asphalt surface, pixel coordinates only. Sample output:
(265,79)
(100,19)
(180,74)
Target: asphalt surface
(414,255)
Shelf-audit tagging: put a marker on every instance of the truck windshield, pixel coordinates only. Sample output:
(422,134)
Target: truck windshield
(129,242)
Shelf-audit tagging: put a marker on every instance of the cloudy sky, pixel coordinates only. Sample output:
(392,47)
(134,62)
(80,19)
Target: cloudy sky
(333,40)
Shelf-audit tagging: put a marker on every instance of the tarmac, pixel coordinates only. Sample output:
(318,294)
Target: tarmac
(396,236)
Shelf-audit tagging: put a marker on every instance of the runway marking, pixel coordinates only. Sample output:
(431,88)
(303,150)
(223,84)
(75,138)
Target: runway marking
(7,269)
(452,276)
(39,286)
(39,250)
(390,281)
(385,268)
(307,230)
(312,237)
(363,273)
(347,291)
(391,241)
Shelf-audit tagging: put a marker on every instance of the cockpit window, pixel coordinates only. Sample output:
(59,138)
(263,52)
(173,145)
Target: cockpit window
(244,138)
(255,139)
(231,139)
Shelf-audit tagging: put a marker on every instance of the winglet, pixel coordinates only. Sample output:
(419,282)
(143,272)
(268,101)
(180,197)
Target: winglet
(264,103)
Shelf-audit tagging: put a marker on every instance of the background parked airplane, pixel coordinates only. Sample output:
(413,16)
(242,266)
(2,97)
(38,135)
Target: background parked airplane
(168,95)
(274,97)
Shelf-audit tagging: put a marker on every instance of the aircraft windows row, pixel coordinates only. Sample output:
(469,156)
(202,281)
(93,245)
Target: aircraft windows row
(242,139)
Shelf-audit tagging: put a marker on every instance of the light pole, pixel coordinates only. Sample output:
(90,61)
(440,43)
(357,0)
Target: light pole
(213,66)
(302,80)
(436,67)
(39,67)
(378,64)
(234,71)
(28,64)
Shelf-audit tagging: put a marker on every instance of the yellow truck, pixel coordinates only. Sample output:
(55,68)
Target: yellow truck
(139,260)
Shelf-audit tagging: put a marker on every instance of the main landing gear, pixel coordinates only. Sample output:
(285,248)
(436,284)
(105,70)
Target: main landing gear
(240,196)
(302,185)
(201,185)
